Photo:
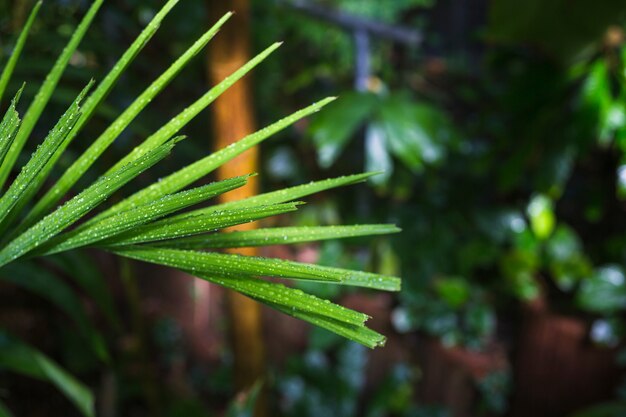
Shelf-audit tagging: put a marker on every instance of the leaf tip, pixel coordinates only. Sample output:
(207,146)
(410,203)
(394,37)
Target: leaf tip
(16,99)
(178,139)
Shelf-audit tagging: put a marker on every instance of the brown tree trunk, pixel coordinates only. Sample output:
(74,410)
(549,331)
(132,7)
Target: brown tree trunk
(20,12)
(233,119)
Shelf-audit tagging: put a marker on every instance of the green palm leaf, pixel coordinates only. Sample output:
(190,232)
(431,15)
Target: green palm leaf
(184,225)
(8,127)
(277,236)
(45,92)
(78,206)
(120,222)
(17,50)
(164,223)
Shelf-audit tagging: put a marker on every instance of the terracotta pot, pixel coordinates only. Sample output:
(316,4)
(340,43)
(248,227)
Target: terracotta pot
(557,369)
(450,374)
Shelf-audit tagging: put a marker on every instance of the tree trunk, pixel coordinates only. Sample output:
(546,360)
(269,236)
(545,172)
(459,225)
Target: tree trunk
(232,116)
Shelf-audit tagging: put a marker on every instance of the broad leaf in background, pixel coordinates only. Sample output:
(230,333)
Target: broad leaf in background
(376,155)
(333,129)
(48,286)
(604,292)
(413,131)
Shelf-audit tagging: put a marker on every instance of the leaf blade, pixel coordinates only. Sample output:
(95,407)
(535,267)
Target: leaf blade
(278,236)
(267,292)
(34,173)
(74,209)
(93,152)
(296,192)
(208,164)
(174,125)
(90,233)
(179,226)
(45,92)
(9,126)
(7,72)
(220,263)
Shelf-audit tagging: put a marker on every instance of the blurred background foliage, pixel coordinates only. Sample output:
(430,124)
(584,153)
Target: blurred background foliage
(502,137)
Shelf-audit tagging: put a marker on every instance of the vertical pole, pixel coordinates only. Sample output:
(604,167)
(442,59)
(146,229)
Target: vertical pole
(362,64)
(232,117)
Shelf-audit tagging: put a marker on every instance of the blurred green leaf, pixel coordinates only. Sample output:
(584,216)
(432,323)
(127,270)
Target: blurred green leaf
(18,357)
(519,268)
(332,130)
(4,411)
(454,291)
(413,131)
(563,244)
(604,291)
(85,273)
(597,97)
(608,409)
(46,285)
(561,28)
(480,319)
(541,215)
(376,155)
(566,262)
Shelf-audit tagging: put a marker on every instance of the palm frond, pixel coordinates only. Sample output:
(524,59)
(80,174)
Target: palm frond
(151,224)
(36,170)
(45,92)
(184,225)
(277,236)
(122,221)
(93,152)
(70,212)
